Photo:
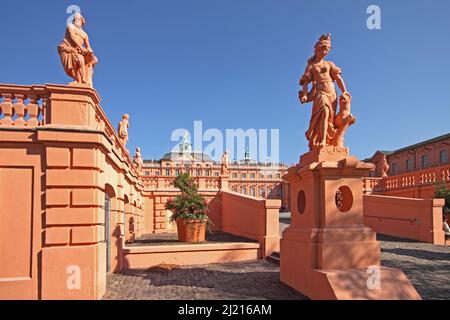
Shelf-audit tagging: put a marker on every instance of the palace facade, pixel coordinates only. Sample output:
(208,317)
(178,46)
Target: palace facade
(411,171)
(247,176)
(420,156)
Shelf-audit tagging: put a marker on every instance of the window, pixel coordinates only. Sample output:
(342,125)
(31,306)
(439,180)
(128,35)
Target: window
(252,192)
(207,173)
(157,173)
(234,175)
(270,176)
(197,172)
(252,176)
(443,156)
(409,164)
(262,192)
(216,174)
(394,168)
(278,176)
(147,173)
(425,161)
(167,172)
(243,190)
(244,176)
(177,172)
(261,176)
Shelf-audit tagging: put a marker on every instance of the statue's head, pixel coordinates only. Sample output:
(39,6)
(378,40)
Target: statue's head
(78,20)
(125,116)
(323,46)
(138,150)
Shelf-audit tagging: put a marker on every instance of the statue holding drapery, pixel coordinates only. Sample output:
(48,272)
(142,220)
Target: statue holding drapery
(326,127)
(77,56)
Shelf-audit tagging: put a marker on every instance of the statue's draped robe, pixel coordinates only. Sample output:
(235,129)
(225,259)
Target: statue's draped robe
(123,131)
(72,59)
(324,102)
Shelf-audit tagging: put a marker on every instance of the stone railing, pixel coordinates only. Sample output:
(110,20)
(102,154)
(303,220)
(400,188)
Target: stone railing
(166,183)
(417,178)
(58,106)
(22,106)
(371,184)
(414,179)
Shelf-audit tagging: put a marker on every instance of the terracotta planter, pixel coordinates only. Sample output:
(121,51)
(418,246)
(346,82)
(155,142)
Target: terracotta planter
(191,230)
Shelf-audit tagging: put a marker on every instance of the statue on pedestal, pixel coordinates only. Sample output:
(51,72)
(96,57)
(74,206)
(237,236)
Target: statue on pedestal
(138,161)
(123,129)
(225,161)
(384,167)
(327,250)
(326,127)
(76,54)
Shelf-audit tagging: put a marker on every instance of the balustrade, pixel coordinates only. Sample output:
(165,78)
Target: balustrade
(412,179)
(22,106)
(28,107)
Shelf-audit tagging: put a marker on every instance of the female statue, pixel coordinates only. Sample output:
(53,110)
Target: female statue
(122,129)
(225,160)
(76,53)
(138,161)
(323,130)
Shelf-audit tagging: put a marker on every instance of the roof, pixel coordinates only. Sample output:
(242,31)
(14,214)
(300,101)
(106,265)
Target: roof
(420,144)
(197,156)
(413,146)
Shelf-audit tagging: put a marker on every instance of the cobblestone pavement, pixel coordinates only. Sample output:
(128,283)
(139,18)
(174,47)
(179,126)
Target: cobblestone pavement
(426,265)
(244,280)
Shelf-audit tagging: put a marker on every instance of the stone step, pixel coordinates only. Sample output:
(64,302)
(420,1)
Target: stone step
(142,257)
(274,258)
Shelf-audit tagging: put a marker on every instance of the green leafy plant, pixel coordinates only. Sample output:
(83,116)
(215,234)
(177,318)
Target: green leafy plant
(190,205)
(442,192)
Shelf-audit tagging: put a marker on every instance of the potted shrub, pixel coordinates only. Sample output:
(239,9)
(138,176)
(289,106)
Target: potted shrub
(189,210)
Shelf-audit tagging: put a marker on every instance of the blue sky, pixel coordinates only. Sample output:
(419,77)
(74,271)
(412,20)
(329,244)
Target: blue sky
(236,64)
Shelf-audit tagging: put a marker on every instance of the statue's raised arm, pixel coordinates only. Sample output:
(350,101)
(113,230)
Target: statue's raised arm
(326,127)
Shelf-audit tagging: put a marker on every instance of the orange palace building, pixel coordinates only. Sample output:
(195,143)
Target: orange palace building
(247,176)
(412,170)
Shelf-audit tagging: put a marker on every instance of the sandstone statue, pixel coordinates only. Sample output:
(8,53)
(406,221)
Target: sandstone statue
(225,161)
(384,167)
(76,53)
(138,161)
(326,127)
(123,129)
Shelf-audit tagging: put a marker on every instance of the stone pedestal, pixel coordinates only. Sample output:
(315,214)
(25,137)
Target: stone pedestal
(224,182)
(327,252)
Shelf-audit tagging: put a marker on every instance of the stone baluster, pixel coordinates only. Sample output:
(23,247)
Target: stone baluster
(446,174)
(7,110)
(33,110)
(43,109)
(20,110)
